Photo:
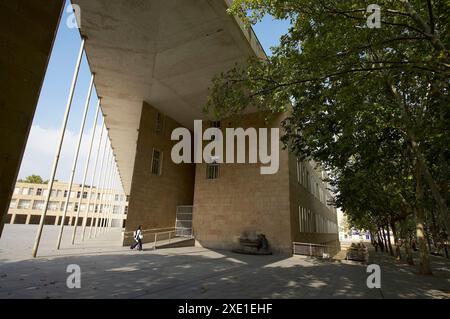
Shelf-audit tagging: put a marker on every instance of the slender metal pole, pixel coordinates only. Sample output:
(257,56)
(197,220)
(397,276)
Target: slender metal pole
(101,182)
(101,205)
(111,219)
(58,151)
(92,186)
(108,195)
(116,192)
(100,210)
(124,204)
(86,168)
(75,161)
(97,183)
(112,197)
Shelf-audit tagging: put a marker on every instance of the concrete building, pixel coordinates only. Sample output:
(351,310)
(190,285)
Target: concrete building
(28,200)
(154,62)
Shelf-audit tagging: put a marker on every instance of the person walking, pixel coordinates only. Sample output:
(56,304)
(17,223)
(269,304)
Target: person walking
(137,236)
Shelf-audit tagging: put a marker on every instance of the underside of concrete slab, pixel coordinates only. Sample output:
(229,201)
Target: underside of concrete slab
(162,52)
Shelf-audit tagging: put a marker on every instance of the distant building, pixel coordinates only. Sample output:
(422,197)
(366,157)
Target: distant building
(347,233)
(28,201)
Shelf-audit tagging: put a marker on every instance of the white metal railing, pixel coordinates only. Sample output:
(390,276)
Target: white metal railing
(161,233)
(169,236)
(314,250)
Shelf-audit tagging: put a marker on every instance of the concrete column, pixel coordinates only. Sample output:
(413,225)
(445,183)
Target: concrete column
(13,219)
(28,31)
(27,221)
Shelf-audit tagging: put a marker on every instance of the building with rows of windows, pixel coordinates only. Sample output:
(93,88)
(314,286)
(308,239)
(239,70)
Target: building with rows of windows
(154,75)
(29,198)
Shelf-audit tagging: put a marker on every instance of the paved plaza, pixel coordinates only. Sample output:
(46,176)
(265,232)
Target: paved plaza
(109,270)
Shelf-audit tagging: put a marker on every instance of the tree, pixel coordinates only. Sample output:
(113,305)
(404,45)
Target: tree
(35,179)
(356,94)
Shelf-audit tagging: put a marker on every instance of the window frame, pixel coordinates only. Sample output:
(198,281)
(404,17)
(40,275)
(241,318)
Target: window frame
(215,171)
(160,162)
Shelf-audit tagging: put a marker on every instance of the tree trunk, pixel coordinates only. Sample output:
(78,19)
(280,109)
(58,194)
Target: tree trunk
(437,240)
(373,240)
(421,163)
(385,241)
(391,251)
(380,241)
(424,264)
(398,255)
(407,243)
(427,236)
(383,235)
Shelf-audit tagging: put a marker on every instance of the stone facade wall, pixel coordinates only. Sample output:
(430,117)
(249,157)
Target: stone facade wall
(241,199)
(154,199)
(300,196)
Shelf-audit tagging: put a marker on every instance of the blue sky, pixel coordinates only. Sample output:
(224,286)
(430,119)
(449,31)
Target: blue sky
(49,114)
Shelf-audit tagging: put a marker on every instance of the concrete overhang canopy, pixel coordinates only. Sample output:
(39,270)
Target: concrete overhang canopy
(164,52)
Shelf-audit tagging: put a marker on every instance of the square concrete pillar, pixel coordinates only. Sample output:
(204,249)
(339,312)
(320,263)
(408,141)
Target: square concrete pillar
(28,32)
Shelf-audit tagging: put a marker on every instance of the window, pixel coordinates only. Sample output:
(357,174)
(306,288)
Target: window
(39,192)
(53,206)
(128,198)
(116,197)
(96,208)
(65,193)
(125,211)
(301,218)
(98,196)
(78,194)
(24,204)
(85,195)
(156,162)
(12,203)
(212,171)
(16,190)
(76,207)
(38,204)
(159,125)
(308,220)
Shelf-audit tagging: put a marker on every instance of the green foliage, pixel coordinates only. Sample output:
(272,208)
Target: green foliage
(371,105)
(34,179)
